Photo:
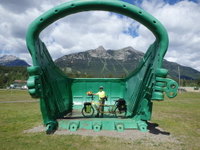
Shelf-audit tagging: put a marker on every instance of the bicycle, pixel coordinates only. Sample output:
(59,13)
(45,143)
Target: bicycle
(119,109)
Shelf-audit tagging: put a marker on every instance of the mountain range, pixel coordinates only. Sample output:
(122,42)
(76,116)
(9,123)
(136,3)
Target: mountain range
(100,62)
(10,60)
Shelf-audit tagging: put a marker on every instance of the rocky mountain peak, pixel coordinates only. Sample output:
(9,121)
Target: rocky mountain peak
(131,50)
(10,60)
(7,58)
(101,48)
(125,53)
(120,54)
(99,52)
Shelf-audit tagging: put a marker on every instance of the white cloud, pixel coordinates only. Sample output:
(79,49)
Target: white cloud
(181,22)
(14,21)
(88,30)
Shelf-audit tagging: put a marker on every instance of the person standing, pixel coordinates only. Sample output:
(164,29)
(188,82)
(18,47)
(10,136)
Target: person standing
(102,98)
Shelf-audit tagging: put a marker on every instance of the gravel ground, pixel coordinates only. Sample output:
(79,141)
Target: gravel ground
(154,133)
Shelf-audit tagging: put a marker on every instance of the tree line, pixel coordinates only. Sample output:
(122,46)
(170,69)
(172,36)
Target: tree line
(10,74)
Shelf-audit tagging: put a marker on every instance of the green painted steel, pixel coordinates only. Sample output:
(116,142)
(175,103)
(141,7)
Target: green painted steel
(59,94)
(114,89)
(98,124)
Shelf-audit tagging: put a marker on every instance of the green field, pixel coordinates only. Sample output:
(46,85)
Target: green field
(14,95)
(179,116)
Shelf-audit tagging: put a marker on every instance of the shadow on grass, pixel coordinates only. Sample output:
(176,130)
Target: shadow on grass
(153,129)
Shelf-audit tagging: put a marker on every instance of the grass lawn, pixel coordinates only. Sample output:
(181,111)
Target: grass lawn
(179,116)
(14,95)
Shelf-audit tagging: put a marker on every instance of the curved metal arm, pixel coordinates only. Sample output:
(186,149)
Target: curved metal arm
(86,5)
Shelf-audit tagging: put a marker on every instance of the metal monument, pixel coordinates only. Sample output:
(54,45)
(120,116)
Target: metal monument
(60,95)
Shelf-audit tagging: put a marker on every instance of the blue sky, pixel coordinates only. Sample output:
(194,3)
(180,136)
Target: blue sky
(88,30)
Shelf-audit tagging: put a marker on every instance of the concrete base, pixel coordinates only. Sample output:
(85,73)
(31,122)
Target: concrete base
(76,121)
